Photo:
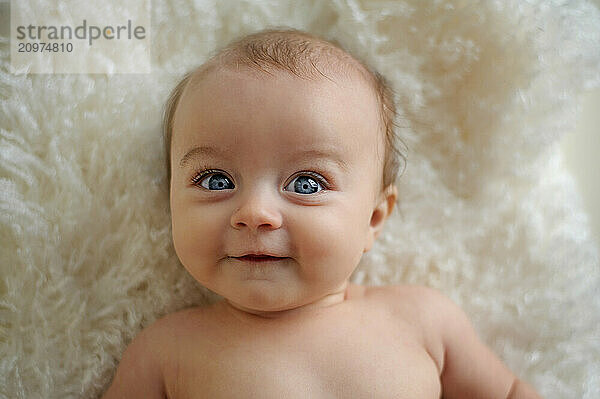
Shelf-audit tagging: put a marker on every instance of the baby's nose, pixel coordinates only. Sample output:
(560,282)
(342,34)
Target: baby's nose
(257,209)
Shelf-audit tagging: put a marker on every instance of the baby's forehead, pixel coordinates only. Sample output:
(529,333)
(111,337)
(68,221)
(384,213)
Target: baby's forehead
(216,78)
(229,80)
(316,114)
(275,57)
(269,54)
(246,88)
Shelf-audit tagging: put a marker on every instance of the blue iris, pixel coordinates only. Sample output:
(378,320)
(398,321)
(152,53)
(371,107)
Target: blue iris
(219,182)
(306,185)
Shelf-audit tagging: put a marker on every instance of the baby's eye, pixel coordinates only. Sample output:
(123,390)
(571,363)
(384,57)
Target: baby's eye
(211,180)
(304,184)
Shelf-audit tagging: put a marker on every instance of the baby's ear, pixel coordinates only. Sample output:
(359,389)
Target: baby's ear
(383,209)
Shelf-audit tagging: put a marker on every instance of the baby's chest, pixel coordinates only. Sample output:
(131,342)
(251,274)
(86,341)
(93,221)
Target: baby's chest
(345,365)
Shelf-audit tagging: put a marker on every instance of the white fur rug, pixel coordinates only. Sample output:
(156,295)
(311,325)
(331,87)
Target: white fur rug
(487,213)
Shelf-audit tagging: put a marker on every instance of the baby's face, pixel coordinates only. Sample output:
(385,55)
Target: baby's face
(295,168)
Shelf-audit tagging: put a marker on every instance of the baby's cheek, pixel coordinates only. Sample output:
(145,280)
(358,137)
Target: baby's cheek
(196,236)
(334,239)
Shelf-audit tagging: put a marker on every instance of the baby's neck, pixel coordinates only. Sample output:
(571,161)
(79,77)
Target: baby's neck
(335,298)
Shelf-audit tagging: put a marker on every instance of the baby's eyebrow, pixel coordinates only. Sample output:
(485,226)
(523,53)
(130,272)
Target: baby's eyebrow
(200,151)
(312,154)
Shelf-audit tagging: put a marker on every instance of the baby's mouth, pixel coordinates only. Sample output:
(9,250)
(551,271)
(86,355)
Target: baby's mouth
(259,258)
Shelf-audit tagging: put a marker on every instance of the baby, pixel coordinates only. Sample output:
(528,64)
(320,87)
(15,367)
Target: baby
(281,162)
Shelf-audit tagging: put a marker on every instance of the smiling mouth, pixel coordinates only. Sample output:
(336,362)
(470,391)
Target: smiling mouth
(259,258)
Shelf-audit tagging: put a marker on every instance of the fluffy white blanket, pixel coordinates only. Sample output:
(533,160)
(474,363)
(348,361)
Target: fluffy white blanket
(487,212)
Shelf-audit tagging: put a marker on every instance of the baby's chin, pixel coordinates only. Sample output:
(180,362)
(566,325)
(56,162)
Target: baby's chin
(266,296)
(265,312)
(267,303)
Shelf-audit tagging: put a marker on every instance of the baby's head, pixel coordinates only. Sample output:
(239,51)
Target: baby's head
(281,144)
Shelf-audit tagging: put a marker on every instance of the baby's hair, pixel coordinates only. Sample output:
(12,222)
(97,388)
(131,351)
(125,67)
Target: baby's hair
(301,54)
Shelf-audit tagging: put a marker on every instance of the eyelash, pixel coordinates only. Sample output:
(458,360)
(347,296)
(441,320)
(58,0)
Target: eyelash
(202,173)
(322,180)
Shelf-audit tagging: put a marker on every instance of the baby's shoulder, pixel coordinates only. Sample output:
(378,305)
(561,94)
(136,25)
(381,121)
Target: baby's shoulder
(179,325)
(174,331)
(413,300)
(167,331)
(151,360)
(428,305)
(426,310)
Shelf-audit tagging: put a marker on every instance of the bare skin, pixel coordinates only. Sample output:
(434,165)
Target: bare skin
(378,342)
(294,326)
(320,354)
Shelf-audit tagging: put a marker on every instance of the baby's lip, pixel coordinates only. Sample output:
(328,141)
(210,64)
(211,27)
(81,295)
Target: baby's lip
(259,255)
(254,259)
